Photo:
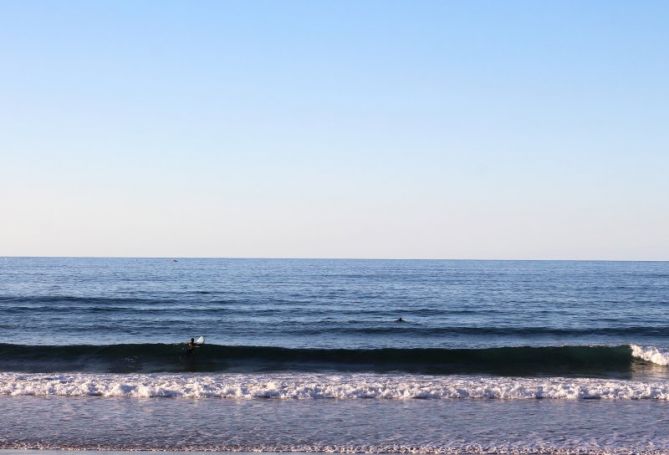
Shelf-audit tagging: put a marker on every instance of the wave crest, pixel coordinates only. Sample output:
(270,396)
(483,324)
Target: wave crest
(650,354)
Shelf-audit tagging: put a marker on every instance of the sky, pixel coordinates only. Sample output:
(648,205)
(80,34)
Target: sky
(355,129)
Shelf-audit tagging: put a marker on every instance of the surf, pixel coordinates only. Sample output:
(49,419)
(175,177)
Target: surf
(309,386)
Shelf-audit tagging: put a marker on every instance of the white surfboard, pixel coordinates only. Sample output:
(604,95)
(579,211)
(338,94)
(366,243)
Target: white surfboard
(199,340)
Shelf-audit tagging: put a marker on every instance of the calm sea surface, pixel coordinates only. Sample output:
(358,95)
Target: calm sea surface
(334,303)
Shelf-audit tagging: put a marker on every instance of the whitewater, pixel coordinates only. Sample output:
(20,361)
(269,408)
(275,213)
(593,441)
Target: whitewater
(319,386)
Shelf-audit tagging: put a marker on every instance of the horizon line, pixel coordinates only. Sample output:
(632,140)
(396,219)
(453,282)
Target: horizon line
(279,258)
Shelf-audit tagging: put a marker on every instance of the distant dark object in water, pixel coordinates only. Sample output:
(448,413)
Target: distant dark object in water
(174,260)
(400,320)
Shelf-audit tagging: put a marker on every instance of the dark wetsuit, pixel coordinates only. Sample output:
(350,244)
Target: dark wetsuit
(190,346)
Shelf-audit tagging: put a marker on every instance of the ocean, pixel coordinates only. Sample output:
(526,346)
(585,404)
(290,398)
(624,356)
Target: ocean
(354,356)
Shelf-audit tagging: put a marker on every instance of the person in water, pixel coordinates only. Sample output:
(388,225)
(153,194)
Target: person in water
(191,345)
(399,320)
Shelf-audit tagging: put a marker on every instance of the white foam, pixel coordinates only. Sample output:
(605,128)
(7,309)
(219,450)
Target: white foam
(651,354)
(316,386)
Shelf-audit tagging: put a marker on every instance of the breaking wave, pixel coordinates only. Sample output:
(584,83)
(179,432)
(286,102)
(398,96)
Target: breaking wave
(326,386)
(650,354)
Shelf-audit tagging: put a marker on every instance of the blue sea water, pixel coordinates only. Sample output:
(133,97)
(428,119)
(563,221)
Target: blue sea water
(477,340)
(334,303)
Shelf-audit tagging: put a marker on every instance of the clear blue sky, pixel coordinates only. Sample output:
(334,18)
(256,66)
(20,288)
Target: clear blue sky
(401,129)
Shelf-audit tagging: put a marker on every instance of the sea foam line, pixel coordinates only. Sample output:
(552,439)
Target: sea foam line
(318,386)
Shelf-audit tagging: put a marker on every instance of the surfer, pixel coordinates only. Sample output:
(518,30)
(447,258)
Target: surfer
(399,320)
(191,345)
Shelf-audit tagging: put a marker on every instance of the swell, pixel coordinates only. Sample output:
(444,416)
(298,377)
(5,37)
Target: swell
(605,361)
